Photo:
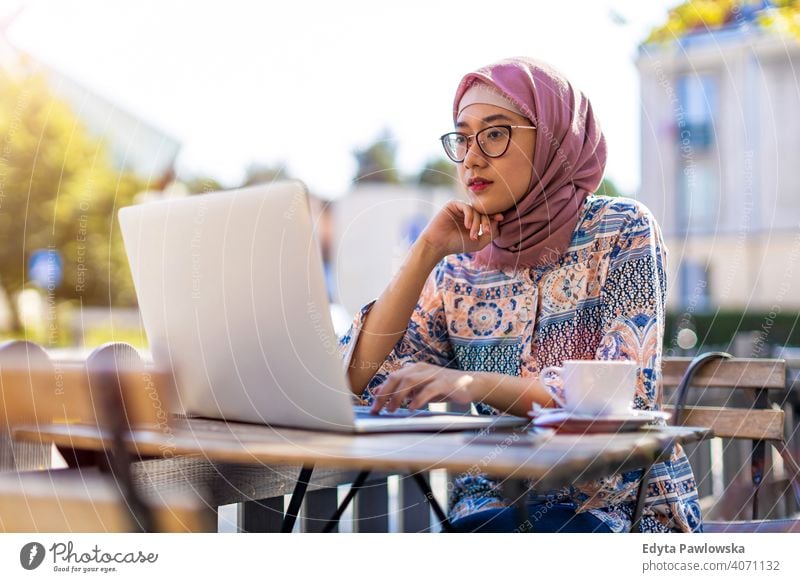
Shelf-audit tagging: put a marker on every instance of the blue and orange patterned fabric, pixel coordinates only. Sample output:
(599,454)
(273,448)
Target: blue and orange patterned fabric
(604,299)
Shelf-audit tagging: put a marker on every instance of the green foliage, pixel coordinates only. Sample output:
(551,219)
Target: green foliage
(98,336)
(202,185)
(608,188)
(437,172)
(59,190)
(376,162)
(717,329)
(264,174)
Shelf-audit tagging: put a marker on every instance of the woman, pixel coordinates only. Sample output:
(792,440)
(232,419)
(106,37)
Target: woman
(534,271)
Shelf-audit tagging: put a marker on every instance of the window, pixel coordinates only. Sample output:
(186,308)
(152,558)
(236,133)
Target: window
(698,184)
(695,287)
(698,98)
(698,199)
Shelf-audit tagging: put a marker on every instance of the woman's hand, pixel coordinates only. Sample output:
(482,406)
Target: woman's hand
(459,228)
(423,383)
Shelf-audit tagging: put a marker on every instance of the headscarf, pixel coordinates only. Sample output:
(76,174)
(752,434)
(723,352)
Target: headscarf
(568,161)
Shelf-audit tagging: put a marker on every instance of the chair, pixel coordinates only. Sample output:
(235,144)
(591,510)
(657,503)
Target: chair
(118,395)
(16,455)
(69,500)
(760,422)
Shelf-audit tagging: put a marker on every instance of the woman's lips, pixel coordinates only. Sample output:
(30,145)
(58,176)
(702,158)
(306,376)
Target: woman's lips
(478,186)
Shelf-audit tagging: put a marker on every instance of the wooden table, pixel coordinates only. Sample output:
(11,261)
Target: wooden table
(547,460)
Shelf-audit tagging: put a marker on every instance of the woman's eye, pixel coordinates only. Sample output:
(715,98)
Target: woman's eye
(494,134)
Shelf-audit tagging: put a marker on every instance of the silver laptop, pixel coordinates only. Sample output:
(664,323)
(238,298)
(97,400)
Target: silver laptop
(232,295)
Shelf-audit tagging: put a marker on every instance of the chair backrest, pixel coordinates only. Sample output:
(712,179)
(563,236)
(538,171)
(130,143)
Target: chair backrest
(25,369)
(37,390)
(759,422)
(734,373)
(114,390)
(15,455)
(735,423)
(758,376)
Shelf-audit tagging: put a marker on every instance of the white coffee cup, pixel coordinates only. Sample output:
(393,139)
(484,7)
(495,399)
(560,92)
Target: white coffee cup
(595,387)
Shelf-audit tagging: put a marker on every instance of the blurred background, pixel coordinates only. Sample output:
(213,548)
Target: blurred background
(107,104)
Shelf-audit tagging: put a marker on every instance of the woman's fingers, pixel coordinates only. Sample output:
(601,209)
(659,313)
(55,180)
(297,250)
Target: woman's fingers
(419,384)
(420,400)
(423,397)
(384,393)
(391,393)
(395,401)
(411,386)
(471,221)
(466,211)
(399,386)
(476,224)
(482,225)
(486,226)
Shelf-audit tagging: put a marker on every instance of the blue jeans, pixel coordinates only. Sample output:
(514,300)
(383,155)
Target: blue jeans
(541,519)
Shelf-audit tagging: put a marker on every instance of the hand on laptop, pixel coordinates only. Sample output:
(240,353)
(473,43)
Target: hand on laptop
(422,383)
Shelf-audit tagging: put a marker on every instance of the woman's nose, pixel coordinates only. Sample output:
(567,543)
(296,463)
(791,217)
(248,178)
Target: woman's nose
(474,155)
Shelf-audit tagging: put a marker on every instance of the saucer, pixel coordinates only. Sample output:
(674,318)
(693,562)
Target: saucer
(570,422)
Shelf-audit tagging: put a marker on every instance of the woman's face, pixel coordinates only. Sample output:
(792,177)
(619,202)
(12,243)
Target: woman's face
(496,184)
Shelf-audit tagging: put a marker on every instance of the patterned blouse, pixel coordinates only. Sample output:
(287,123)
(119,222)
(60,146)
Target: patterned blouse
(604,299)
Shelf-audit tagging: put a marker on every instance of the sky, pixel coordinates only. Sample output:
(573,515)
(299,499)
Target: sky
(305,83)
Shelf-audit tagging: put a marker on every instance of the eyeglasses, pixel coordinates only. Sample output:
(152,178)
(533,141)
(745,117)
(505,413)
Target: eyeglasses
(492,140)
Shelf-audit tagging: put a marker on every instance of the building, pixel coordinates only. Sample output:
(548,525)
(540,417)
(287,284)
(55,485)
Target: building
(134,144)
(374,225)
(720,113)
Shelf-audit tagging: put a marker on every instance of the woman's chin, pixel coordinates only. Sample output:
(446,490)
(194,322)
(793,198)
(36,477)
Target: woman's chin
(487,205)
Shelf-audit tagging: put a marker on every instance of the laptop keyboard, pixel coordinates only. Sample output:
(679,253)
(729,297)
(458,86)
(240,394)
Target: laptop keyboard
(363,412)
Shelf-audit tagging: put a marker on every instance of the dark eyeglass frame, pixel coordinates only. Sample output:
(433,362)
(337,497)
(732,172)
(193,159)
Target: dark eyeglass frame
(478,141)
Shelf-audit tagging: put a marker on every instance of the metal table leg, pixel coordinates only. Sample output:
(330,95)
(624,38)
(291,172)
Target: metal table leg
(425,487)
(297,499)
(354,488)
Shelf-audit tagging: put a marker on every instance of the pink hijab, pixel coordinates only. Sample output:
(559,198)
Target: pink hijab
(569,160)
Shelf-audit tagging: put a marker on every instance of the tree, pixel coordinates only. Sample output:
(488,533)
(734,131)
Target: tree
(376,162)
(785,17)
(58,190)
(705,15)
(202,185)
(437,172)
(258,173)
(608,188)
